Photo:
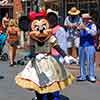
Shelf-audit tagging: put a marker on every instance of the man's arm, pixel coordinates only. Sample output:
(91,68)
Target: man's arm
(92,31)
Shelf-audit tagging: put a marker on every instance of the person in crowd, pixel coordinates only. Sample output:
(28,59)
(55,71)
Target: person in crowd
(12,39)
(87,49)
(71,23)
(3,38)
(1,29)
(57,30)
(5,21)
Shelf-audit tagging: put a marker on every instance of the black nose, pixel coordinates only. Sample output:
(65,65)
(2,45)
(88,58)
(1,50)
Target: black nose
(41,31)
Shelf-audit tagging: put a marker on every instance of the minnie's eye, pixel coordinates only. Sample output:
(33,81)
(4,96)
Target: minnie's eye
(36,28)
(44,27)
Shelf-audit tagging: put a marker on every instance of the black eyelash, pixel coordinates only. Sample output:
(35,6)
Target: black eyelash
(36,26)
(44,24)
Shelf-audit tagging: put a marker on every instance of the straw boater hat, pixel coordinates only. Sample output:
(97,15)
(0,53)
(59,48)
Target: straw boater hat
(86,15)
(74,11)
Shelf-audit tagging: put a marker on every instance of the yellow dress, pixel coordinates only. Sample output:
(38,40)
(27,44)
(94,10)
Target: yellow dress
(44,74)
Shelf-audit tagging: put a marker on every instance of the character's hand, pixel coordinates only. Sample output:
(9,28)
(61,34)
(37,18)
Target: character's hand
(74,26)
(81,26)
(70,60)
(67,60)
(40,56)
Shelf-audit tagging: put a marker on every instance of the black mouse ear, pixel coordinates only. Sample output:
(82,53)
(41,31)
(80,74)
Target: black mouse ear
(24,23)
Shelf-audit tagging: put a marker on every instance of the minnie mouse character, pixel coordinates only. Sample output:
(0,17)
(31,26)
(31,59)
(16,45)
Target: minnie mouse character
(44,73)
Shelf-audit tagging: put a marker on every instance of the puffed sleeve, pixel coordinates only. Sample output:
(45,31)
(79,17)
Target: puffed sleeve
(52,41)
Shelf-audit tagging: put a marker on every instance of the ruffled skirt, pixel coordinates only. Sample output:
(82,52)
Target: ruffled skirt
(44,75)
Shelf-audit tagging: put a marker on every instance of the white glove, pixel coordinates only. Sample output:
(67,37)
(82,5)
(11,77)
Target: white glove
(67,60)
(72,59)
(40,56)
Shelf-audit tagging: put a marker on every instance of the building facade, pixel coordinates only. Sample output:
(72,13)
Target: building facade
(62,6)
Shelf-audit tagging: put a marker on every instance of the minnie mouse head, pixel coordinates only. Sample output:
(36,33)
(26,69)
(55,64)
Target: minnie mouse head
(38,24)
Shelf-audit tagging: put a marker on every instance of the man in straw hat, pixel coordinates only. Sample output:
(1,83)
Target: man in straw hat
(86,49)
(71,23)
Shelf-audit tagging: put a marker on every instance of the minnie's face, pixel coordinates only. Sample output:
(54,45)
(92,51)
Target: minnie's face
(40,30)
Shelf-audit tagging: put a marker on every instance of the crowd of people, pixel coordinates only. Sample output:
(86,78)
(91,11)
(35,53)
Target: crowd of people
(79,39)
(81,31)
(53,46)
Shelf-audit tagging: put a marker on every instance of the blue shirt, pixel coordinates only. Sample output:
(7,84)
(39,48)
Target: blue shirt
(86,35)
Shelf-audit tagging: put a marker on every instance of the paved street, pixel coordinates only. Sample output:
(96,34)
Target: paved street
(77,91)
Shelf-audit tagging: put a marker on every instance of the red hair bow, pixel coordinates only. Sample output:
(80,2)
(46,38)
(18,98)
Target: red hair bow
(33,15)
